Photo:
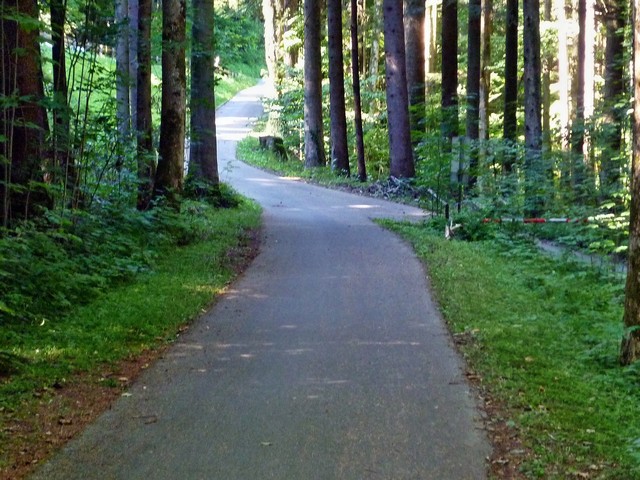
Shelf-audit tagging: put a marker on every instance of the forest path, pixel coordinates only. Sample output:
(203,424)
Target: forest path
(326,360)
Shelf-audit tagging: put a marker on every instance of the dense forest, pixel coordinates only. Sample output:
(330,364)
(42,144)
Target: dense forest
(515,112)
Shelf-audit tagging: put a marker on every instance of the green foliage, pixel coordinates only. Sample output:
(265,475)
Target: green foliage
(85,292)
(543,334)
(239,38)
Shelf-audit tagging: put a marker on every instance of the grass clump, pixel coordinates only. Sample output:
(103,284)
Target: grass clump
(543,336)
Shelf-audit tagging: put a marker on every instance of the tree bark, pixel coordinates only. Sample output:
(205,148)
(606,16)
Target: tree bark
(123,106)
(169,177)
(510,125)
(132,43)
(23,124)
(414,15)
(630,346)
(578,125)
(144,122)
(270,38)
(203,156)
(401,161)
(357,102)
(473,86)
(614,110)
(337,114)
(535,175)
(485,76)
(63,164)
(547,63)
(313,129)
(449,43)
(563,73)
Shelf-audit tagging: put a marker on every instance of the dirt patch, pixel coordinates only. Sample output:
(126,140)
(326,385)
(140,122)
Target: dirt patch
(59,413)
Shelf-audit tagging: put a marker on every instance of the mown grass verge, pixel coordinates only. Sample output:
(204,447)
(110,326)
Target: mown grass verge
(123,321)
(542,334)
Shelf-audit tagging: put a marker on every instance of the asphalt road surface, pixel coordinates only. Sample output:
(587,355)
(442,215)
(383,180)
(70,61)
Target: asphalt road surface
(326,360)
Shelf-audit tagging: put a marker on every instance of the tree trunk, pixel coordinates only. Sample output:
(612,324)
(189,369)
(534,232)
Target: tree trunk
(414,14)
(510,125)
(401,160)
(630,346)
(485,76)
(291,8)
(546,87)
(338,119)
(614,110)
(23,124)
(535,175)
(171,164)
(357,103)
(313,129)
(132,43)
(563,73)
(144,124)
(64,168)
(203,156)
(374,59)
(449,70)
(577,128)
(431,35)
(473,86)
(123,106)
(270,38)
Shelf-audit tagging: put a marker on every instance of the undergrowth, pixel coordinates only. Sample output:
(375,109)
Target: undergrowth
(544,337)
(97,287)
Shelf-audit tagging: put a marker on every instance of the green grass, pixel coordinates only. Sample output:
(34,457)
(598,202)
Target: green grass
(545,336)
(131,318)
(249,151)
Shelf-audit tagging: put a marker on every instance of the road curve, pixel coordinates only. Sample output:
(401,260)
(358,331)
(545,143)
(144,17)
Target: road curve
(326,360)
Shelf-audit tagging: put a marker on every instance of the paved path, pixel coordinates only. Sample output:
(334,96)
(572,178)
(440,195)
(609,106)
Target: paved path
(326,361)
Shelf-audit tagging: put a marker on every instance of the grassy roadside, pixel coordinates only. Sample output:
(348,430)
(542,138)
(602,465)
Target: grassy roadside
(91,345)
(541,336)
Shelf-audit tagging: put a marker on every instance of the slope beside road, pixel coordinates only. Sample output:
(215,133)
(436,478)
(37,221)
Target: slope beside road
(327,359)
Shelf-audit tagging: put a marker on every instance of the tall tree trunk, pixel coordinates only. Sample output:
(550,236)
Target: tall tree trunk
(535,175)
(510,125)
(123,106)
(64,168)
(400,151)
(337,114)
(357,102)
(144,122)
(614,110)
(23,124)
(563,73)
(270,37)
(291,54)
(485,76)
(449,70)
(374,60)
(203,155)
(547,62)
(473,86)
(431,35)
(414,14)
(132,42)
(169,175)
(630,347)
(577,128)
(313,129)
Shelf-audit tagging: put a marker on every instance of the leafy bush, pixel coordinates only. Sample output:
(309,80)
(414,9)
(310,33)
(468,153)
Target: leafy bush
(68,258)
